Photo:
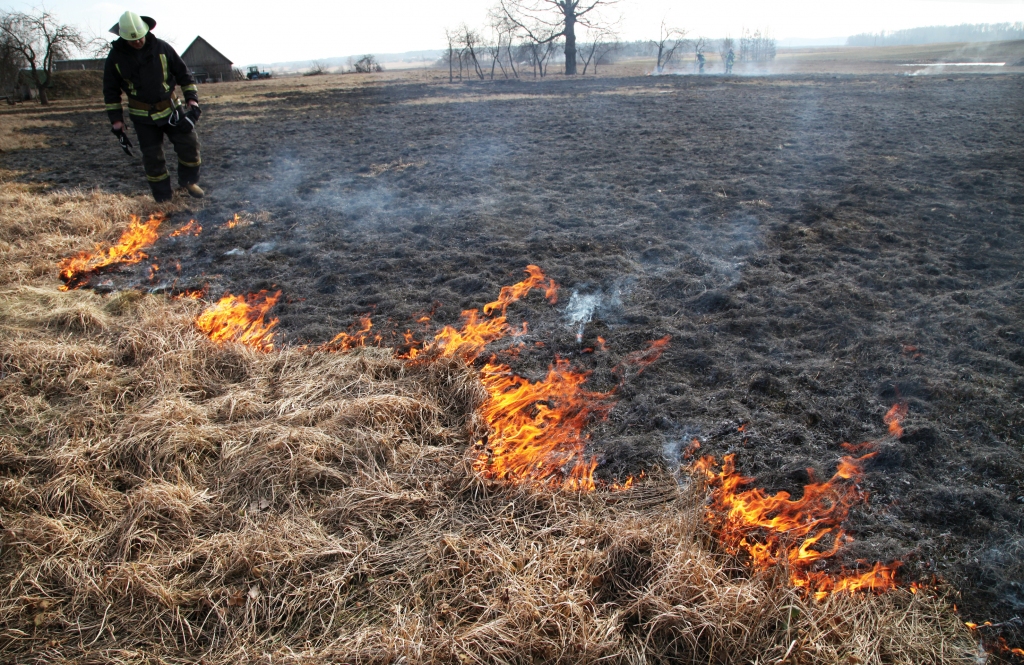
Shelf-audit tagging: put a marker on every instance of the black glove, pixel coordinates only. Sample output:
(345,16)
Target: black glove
(125,142)
(186,119)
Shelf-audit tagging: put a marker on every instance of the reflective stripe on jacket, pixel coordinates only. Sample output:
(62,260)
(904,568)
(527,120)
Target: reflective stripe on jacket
(147,75)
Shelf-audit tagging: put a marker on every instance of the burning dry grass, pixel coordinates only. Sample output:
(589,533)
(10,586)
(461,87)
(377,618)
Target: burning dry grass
(168,499)
(39,227)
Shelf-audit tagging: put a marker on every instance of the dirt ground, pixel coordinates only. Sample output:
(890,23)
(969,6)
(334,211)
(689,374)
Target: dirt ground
(818,247)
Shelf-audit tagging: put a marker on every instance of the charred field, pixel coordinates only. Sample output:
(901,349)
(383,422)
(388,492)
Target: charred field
(817,248)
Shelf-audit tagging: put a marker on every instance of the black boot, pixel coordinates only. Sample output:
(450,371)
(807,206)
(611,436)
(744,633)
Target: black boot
(162,190)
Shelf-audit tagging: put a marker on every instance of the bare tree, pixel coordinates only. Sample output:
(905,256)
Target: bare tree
(538,54)
(756,46)
(41,39)
(453,38)
(470,41)
(603,41)
(368,65)
(499,48)
(316,68)
(669,41)
(544,21)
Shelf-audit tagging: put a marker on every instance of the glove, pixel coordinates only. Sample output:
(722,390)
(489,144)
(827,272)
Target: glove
(185,119)
(126,143)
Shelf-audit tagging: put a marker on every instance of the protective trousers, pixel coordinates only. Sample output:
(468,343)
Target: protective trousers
(186,147)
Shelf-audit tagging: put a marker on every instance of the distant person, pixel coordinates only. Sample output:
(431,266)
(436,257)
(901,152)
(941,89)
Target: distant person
(730,58)
(700,63)
(147,69)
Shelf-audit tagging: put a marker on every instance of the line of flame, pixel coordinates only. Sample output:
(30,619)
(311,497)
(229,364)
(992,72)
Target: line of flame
(774,529)
(75,270)
(537,427)
(241,319)
(193,228)
(894,418)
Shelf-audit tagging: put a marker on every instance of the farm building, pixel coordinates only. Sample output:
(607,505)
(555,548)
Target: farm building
(78,65)
(206,63)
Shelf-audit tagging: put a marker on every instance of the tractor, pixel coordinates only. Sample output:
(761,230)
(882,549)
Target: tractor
(255,74)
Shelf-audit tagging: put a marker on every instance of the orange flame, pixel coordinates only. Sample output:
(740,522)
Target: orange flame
(76,270)
(510,294)
(537,427)
(470,340)
(894,418)
(642,359)
(993,645)
(193,228)
(190,294)
(346,341)
(233,222)
(773,529)
(241,319)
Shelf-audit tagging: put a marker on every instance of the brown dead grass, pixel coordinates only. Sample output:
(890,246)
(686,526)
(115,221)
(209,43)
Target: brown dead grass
(166,500)
(17,132)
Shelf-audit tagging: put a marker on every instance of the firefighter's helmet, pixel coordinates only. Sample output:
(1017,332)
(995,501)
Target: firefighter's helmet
(131,26)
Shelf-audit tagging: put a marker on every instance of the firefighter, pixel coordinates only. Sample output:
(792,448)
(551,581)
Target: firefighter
(147,69)
(729,59)
(700,62)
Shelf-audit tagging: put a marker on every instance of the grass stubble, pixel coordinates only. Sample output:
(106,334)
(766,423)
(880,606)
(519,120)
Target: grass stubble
(167,500)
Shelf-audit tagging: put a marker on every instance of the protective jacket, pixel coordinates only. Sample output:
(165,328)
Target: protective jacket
(148,76)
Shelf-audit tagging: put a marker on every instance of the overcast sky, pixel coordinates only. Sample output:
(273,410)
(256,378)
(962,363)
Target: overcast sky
(263,31)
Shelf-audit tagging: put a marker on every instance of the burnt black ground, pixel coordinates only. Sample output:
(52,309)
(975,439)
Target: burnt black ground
(795,236)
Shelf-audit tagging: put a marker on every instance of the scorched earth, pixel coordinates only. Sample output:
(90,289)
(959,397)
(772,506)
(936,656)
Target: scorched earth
(817,249)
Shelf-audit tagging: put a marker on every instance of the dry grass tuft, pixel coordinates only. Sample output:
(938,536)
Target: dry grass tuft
(168,500)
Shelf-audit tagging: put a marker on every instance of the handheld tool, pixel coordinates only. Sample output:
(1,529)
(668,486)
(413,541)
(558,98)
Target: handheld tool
(126,143)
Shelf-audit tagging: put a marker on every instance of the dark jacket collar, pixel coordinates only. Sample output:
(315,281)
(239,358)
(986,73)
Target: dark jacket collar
(122,45)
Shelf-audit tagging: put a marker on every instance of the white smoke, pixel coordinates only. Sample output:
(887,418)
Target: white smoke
(582,307)
(580,311)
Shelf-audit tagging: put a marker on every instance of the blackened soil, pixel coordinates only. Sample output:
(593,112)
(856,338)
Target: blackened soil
(818,249)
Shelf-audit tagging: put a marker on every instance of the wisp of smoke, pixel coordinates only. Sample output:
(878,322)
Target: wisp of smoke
(580,311)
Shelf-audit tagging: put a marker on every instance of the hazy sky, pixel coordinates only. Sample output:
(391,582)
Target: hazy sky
(251,31)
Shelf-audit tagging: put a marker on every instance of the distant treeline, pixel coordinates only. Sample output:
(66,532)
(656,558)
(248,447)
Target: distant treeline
(979,32)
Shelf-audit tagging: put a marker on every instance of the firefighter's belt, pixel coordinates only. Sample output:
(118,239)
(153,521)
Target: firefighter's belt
(150,108)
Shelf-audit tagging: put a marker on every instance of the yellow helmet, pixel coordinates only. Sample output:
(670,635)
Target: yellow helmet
(131,26)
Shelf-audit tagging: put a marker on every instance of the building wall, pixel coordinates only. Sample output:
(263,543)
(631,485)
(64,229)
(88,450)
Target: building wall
(75,65)
(206,63)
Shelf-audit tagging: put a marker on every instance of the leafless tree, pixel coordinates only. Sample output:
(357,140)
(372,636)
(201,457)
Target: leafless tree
(368,65)
(316,68)
(538,55)
(542,22)
(470,42)
(668,44)
(756,46)
(602,42)
(499,48)
(453,38)
(40,39)
(495,48)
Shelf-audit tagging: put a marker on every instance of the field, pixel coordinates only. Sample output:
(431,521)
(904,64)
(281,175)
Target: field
(817,247)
